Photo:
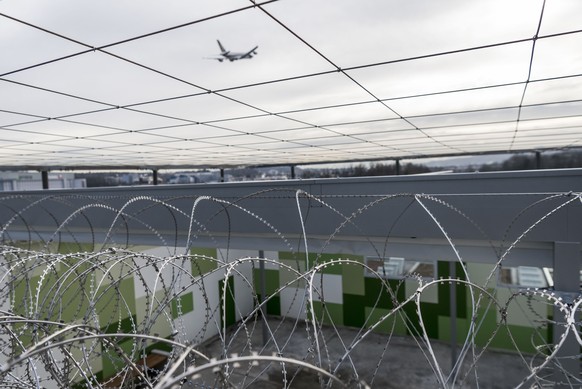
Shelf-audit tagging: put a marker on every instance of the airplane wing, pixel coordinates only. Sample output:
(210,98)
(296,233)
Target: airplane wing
(250,53)
(219,59)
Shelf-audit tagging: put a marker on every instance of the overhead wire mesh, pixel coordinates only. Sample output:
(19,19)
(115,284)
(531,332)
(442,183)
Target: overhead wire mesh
(332,82)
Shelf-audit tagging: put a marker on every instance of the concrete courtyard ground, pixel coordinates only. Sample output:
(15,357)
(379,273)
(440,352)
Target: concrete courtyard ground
(378,361)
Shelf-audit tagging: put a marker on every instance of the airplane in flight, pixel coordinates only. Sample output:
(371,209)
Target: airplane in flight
(226,54)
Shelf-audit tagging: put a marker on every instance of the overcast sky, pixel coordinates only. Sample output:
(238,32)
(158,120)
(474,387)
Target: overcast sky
(212,116)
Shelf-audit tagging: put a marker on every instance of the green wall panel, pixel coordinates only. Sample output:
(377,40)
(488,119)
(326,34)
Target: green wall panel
(328,313)
(550,329)
(186,302)
(444,291)
(353,279)
(109,306)
(462,326)
(110,299)
(123,326)
(290,277)
(274,306)
(354,310)
(337,269)
(112,362)
(525,338)
(290,256)
(393,324)
(377,294)
(429,319)
(272,282)
(200,263)
(486,321)
(228,315)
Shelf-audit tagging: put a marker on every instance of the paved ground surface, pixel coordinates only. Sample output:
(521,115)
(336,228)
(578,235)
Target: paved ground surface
(380,361)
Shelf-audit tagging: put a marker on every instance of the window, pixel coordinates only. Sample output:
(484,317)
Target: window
(526,276)
(397,267)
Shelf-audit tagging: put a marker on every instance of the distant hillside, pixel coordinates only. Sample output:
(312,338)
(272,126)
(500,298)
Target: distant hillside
(554,160)
(549,160)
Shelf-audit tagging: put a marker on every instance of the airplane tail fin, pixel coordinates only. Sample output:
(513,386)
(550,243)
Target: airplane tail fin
(220,45)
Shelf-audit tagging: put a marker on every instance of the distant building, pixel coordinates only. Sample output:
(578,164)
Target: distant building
(17,181)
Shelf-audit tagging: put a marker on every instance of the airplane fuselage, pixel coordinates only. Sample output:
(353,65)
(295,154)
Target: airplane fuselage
(228,55)
(236,56)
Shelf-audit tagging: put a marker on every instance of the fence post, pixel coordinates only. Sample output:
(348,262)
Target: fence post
(566,277)
(45,179)
(263,287)
(155,177)
(453,313)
